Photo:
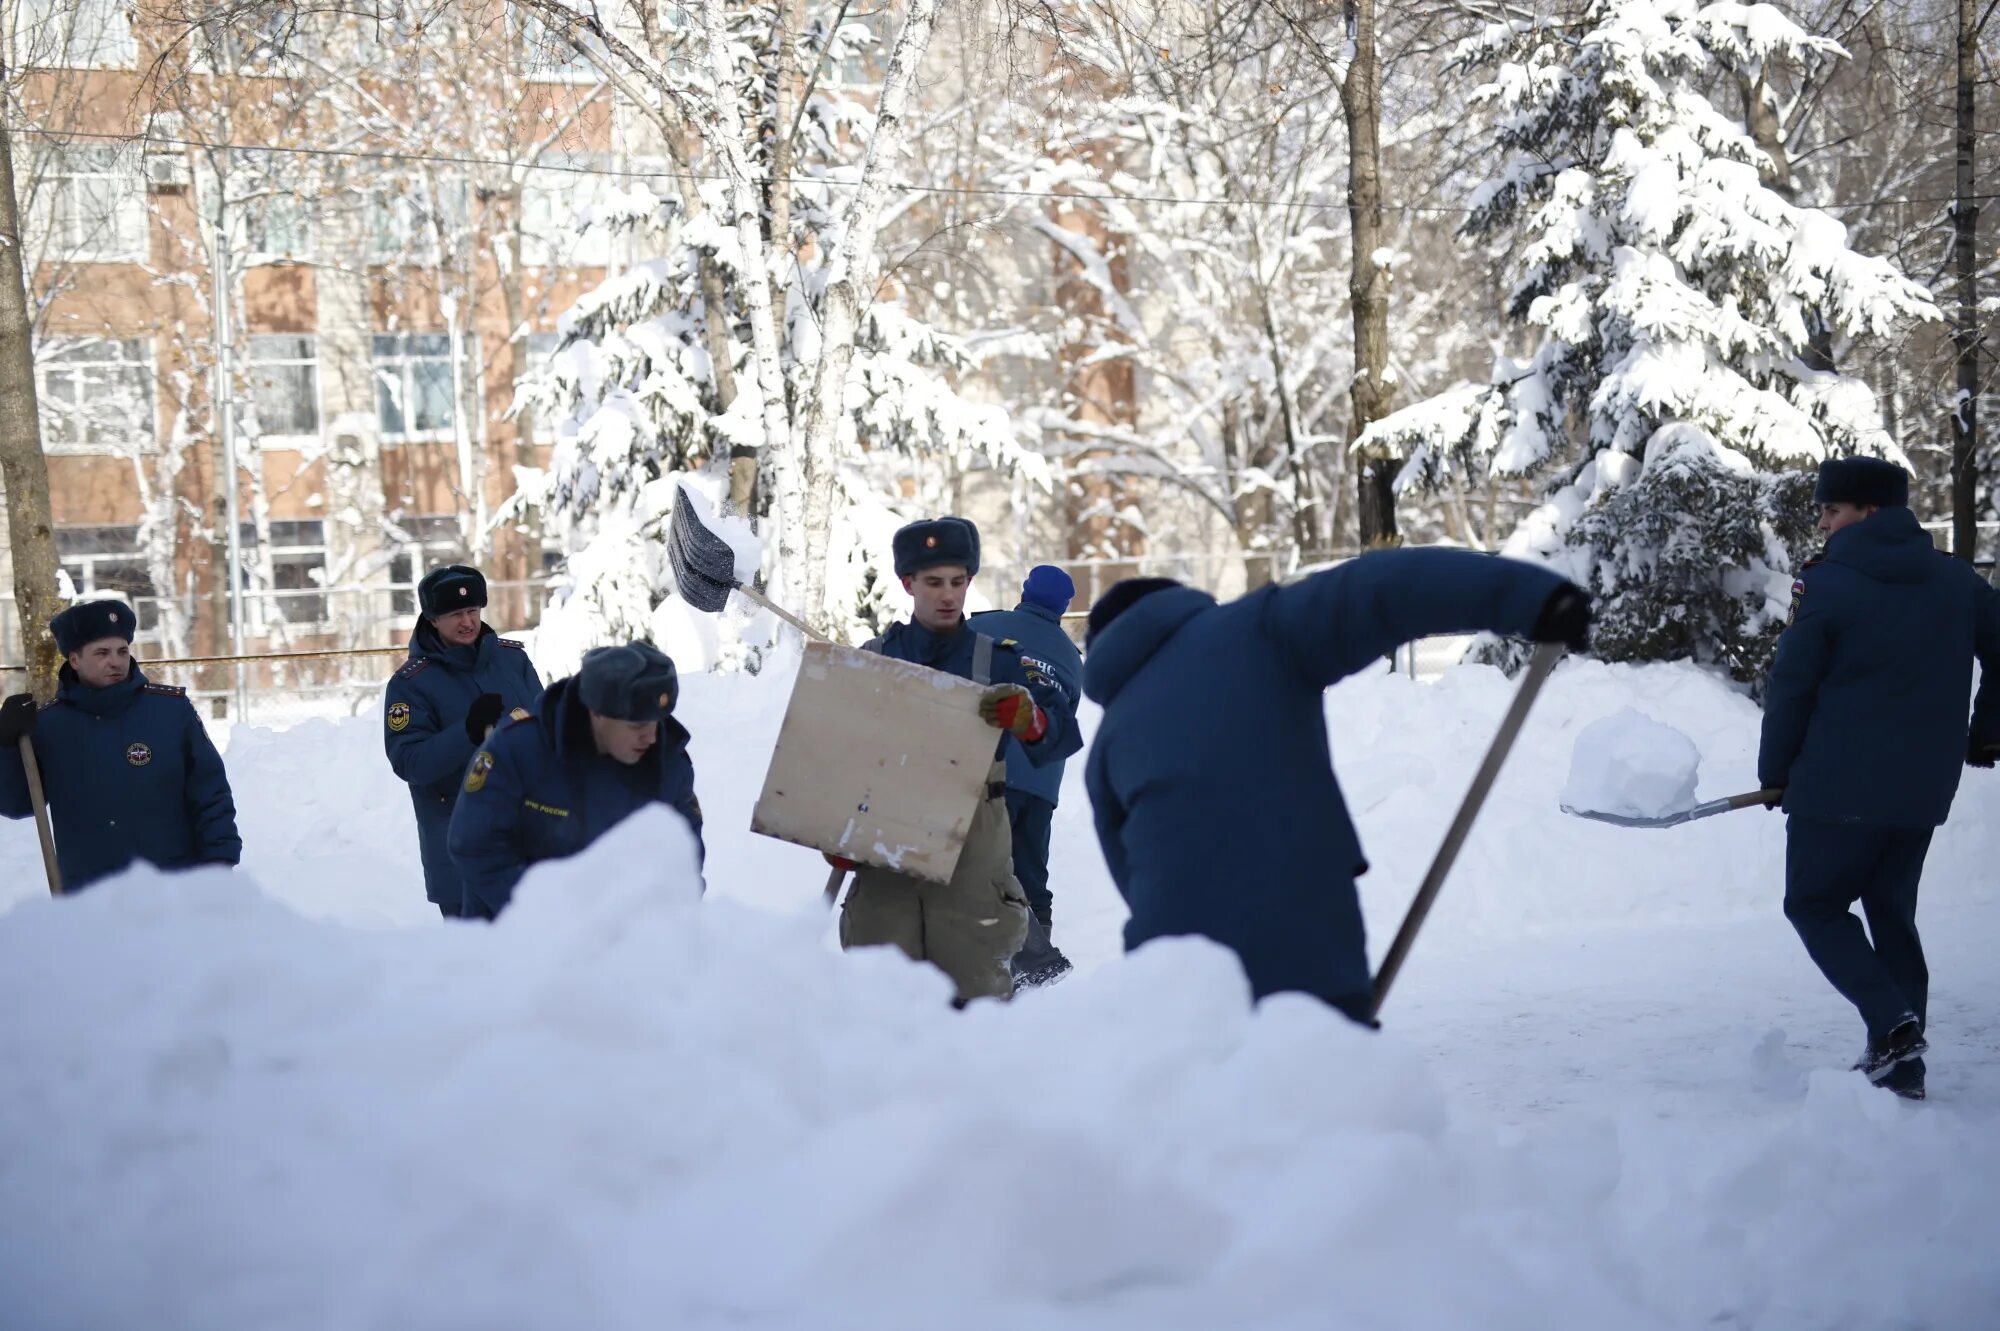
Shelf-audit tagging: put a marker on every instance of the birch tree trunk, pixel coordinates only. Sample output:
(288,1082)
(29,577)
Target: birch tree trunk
(725,139)
(23,467)
(1965,241)
(851,269)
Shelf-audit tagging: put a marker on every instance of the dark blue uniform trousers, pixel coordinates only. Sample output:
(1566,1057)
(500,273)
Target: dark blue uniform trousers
(1032,819)
(1830,866)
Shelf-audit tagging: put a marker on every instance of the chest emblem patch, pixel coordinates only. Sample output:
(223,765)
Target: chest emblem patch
(138,754)
(475,775)
(399,716)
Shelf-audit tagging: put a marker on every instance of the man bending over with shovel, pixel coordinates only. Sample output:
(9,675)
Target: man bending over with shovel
(1864,730)
(1210,775)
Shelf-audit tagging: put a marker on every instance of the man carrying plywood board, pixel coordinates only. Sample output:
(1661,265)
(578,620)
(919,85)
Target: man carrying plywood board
(970,926)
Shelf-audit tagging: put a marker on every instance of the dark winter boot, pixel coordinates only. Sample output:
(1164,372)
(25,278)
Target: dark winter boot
(1905,1079)
(1039,961)
(1904,1042)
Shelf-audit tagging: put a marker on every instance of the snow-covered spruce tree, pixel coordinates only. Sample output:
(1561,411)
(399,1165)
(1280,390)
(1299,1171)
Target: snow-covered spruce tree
(1680,391)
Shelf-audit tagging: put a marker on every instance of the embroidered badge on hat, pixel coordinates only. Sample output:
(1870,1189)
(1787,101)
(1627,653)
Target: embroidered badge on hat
(139,754)
(399,716)
(112,616)
(930,542)
(665,699)
(475,776)
(464,591)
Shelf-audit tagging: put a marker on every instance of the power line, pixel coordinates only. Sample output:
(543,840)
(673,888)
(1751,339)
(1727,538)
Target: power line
(1191,201)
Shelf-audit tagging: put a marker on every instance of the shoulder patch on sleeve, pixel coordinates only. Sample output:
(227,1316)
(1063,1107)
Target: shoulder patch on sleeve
(399,717)
(166,690)
(413,666)
(476,774)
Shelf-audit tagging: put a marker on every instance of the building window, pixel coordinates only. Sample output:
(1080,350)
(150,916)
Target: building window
(539,349)
(413,385)
(96,395)
(297,594)
(554,200)
(273,219)
(284,386)
(549,57)
(91,203)
(106,561)
(429,216)
(255,40)
(73,34)
(429,542)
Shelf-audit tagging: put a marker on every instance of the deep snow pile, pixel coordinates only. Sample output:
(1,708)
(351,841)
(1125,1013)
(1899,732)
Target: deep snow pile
(624,1106)
(1630,764)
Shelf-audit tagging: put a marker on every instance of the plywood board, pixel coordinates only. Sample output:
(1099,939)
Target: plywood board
(879,761)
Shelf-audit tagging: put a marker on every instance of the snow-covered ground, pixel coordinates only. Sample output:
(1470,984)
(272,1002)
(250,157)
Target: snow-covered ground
(1611,1091)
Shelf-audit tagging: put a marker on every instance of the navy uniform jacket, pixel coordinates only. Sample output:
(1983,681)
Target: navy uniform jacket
(1210,777)
(1045,651)
(423,714)
(1865,712)
(954,654)
(539,790)
(129,774)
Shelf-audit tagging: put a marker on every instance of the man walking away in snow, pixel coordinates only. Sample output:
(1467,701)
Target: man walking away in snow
(128,770)
(460,680)
(971,927)
(599,746)
(1864,730)
(1035,628)
(1210,776)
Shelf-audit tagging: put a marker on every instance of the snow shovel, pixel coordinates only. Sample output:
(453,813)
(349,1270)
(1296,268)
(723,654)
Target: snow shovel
(705,567)
(1747,800)
(704,574)
(36,798)
(1545,658)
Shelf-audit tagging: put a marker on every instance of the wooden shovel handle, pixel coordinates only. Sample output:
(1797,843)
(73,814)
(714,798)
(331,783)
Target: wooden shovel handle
(41,805)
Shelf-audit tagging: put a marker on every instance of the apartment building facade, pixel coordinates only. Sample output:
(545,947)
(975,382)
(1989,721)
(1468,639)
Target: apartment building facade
(363,237)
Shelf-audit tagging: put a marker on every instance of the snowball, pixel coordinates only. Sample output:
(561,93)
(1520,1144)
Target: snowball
(1628,763)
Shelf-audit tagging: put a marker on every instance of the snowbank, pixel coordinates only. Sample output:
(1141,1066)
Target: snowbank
(621,1107)
(624,1106)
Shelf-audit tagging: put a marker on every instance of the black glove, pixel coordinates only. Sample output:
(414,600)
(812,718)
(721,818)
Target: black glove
(485,715)
(17,719)
(1776,802)
(1978,752)
(1565,618)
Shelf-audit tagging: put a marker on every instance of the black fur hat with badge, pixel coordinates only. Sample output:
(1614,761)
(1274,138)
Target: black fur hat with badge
(1868,482)
(936,543)
(453,587)
(87,621)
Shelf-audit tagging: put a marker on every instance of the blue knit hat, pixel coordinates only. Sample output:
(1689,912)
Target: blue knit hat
(87,621)
(1866,481)
(636,682)
(1048,587)
(937,542)
(453,587)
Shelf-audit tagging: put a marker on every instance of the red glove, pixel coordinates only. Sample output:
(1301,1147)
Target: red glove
(1011,708)
(837,862)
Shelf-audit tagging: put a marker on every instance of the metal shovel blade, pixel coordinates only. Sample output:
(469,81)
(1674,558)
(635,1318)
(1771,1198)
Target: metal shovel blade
(1706,810)
(704,564)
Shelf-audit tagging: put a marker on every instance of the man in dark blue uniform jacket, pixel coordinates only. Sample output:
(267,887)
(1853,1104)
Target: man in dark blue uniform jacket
(127,769)
(1864,730)
(971,927)
(1034,628)
(460,680)
(1210,775)
(601,745)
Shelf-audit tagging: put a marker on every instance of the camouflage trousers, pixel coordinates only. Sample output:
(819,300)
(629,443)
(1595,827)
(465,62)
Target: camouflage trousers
(968,928)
